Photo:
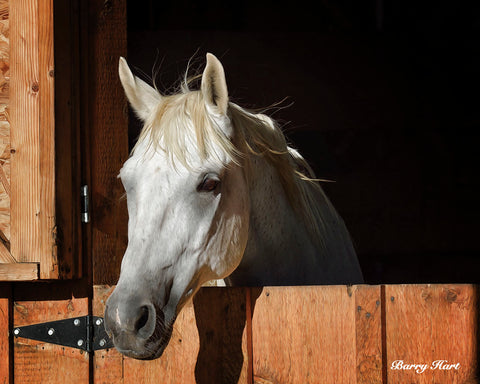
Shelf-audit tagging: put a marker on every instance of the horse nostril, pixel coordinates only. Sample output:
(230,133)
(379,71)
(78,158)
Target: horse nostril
(143,318)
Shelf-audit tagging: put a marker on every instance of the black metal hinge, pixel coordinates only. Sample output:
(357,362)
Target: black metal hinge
(86,333)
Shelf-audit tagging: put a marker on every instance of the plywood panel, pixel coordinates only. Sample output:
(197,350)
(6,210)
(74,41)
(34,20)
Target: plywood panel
(304,335)
(38,362)
(4,124)
(429,323)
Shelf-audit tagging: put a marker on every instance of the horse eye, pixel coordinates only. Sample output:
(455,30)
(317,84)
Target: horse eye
(209,184)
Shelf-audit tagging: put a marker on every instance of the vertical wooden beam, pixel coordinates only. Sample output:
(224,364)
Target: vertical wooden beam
(24,119)
(108,136)
(427,324)
(47,219)
(368,325)
(32,135)
(67,136)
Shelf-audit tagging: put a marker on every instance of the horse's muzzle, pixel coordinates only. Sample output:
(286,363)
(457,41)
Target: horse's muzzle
(135,326)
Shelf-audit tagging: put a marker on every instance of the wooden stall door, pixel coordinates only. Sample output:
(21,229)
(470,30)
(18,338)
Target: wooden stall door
(318,334)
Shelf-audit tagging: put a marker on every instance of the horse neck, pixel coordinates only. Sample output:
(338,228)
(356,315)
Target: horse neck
(276,235)
(280,250)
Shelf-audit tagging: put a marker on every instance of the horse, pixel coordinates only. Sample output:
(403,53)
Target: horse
(214,192)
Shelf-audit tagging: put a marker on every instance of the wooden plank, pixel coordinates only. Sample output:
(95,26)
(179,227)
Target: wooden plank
(5,315)
(107,363)
(46,150)
(108,136)
(24,135)
(67,138)
(19,272)
(427,324)
(177,364)
(32,135)
(39,362)
(304,335)
(368,325)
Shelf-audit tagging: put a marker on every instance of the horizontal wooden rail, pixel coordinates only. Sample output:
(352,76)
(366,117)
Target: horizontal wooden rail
(19,271)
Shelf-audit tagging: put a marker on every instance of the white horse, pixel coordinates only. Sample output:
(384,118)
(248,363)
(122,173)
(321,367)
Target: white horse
(214,192)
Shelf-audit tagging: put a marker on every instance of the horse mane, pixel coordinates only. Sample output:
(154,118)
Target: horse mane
(183,117)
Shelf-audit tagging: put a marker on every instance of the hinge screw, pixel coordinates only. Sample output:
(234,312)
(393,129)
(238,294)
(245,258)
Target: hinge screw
(102,342)
(76,322)
(98,322)
(16,331)
(80,342)
(51,331)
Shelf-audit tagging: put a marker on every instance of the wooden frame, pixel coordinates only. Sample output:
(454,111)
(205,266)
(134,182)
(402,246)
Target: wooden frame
(39,170)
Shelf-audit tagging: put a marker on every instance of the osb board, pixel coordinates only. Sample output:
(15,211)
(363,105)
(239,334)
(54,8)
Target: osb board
(40,362)
(312,334)
(428,324)
(4,124)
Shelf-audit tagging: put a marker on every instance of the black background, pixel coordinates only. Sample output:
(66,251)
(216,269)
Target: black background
(382,97)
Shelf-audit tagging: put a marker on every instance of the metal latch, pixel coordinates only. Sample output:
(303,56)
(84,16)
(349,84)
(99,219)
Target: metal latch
(86,333)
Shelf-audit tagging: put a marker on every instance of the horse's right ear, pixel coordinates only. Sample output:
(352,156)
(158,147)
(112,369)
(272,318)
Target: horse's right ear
(142,97)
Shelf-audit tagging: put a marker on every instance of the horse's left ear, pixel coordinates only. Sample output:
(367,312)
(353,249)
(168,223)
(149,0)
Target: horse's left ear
(214,85)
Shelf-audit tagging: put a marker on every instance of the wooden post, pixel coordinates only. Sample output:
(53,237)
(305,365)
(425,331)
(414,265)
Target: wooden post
(107,135)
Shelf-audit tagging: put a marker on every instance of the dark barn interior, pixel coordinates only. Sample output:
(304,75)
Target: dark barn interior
(382,97)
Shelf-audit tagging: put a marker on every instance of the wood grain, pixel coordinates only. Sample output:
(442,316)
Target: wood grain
(46,151)
(368,325)
(32,135)
(304,335)
(5,256)
(426,323)
(19,271)
(39,362)
(24,135)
